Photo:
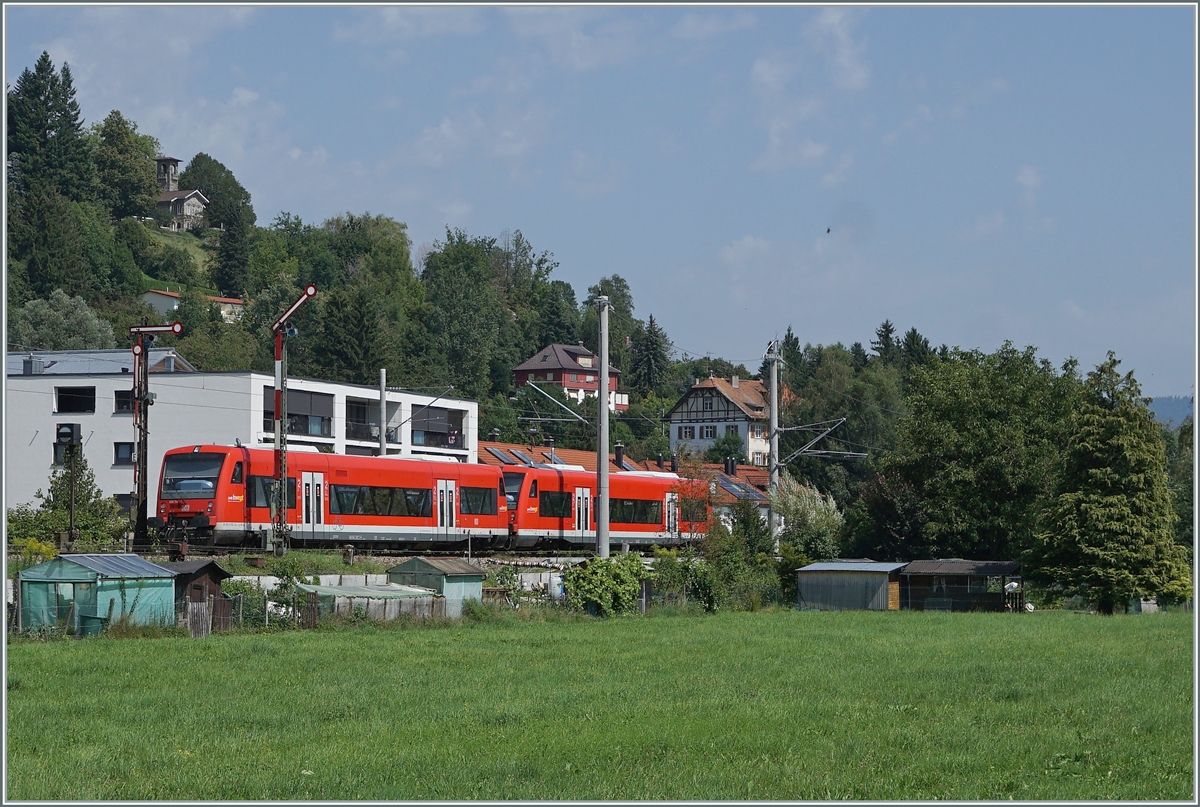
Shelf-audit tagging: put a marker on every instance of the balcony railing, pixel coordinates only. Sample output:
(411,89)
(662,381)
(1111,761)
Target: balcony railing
(438,439)
(370,431)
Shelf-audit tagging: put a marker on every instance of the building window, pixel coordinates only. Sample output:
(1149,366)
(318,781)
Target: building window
(708,432)
(122,453)
(75,400)
(687,432)
(549,376)
(707,405)
(585,361)
(759,459)
(123,400)
(574,376)
(591,378)
(756,431)
(731,430)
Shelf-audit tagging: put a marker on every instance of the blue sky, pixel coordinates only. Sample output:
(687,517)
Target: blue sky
(1016,173)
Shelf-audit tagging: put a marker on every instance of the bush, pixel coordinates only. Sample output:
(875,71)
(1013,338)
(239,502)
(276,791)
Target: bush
(607,585)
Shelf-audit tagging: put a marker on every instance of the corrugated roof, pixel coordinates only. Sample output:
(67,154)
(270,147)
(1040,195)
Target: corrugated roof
(119,565)
(852,566)
(453,567)
(950,566)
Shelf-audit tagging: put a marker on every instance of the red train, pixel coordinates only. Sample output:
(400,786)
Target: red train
(220,495)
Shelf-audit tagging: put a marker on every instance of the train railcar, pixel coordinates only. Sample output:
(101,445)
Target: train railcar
(556,506)
(220,495)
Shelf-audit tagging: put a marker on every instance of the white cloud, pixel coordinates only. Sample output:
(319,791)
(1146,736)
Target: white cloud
(580,38)
(782,116)
(403,24)
(591,176)
(922,114)
(986,226)
(1030,179)
(697,27)
(838,175)
(831,33)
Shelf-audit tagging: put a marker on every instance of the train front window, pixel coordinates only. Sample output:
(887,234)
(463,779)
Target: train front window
(191,476)
(512,487)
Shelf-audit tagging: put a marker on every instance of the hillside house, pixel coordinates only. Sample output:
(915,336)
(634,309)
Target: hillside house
(165,303)
(715,407)
(185,206)
(575,369)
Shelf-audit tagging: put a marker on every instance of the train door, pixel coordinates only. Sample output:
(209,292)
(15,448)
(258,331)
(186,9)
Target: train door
(312,506)
(583,516)
(672,522)
(445,510)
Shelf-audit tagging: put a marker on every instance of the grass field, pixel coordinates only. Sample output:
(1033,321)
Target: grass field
(769,705)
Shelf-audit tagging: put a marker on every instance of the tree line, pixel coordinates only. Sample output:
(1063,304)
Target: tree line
(996,455)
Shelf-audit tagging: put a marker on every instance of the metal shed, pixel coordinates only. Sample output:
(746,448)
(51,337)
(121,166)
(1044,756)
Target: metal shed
(954,584)
(453,578)
(83,592)
(849,585)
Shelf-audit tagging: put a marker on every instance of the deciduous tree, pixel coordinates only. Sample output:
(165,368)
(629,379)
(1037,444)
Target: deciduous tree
(59,323)
(125,167)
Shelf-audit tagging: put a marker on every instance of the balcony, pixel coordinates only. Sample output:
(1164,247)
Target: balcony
(356,430)
(431,439)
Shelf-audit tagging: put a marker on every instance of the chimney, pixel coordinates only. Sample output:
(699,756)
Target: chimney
(32,366)
(660,461)
(170,362)
(674,464)
(733,382)
(620,450)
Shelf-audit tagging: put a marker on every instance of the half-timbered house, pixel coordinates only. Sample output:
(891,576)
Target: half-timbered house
(715,407)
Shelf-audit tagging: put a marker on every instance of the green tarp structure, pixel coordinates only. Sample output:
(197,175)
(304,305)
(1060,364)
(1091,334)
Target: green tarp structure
(82,592)
(327,596)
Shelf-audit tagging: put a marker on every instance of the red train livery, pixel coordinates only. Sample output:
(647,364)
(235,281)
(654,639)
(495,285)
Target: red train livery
(220,495)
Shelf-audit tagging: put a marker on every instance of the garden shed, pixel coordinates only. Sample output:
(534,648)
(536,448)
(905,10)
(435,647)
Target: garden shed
(198,589)
(453,578)
(954,584)
(83,592)
(857,584)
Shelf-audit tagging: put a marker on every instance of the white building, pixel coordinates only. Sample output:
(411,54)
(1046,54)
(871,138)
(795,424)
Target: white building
(94,388)
(714,407)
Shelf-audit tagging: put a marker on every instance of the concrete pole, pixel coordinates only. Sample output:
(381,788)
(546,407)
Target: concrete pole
(382,412)
(602,437)
(773,486)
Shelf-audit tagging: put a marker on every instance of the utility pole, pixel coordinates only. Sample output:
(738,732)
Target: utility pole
(141,418)
(602,437)
(773,356)
(382,412)
(282,328)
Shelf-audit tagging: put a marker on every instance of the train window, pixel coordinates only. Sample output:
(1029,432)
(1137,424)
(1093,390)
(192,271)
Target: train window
(260,488)
(533,489)
(191,476)
(512,487)
(477,501)
(360,500)
(556,505)
(237,474)
(634,511)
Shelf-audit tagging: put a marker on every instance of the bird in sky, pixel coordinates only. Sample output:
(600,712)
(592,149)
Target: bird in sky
(827,230)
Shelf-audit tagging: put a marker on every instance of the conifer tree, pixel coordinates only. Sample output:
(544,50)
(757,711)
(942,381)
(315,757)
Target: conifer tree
(651,360)
(1108,534)
(46,144)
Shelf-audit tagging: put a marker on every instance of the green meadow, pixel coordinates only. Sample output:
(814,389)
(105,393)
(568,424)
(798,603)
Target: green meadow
(530,705)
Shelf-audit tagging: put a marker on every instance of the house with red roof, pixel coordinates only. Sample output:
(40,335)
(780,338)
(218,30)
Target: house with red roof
(715,407)
(575,369)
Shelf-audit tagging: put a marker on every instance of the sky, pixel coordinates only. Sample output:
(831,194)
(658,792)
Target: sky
(983,174)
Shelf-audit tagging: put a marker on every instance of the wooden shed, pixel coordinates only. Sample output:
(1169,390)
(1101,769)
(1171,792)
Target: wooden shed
(857,584)
(83,592)
(453,578)
(198,583)
(954,584)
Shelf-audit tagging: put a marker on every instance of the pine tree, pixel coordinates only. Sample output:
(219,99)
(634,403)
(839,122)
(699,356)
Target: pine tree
(1108,534)
(46,144)
(651,358)
(231,272)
